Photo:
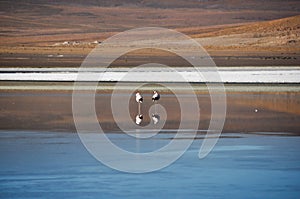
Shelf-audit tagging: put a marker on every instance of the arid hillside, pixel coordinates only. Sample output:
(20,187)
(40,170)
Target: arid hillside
(281,34)
(40,23)
(235,33)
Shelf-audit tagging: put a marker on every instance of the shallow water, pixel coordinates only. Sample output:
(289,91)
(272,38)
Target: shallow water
(246,111)
(42,158)
(38,164)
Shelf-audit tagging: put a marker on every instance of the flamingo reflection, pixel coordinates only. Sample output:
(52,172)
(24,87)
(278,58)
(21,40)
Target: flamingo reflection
(155,118)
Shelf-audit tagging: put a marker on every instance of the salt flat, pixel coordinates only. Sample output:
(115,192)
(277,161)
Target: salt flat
(153,74)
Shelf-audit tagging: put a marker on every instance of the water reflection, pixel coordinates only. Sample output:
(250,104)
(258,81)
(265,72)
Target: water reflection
(246,111)
(155,118)
(138,119)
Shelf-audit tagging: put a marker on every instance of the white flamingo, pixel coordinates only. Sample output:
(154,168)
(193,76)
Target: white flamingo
(155,118)
(155,96)
(139,119)
(138,98)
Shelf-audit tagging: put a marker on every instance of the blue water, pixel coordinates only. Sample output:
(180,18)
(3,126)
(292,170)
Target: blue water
(56,165)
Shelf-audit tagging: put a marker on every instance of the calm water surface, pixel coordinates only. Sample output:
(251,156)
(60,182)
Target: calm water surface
(38,164)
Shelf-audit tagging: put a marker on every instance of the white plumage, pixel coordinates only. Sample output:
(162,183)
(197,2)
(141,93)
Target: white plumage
(155,96)
(139,119)
(155,118)
(138,98)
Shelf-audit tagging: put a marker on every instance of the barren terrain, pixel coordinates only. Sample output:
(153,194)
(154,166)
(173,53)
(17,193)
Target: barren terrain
(235,33)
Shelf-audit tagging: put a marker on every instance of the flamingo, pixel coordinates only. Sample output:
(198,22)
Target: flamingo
(138,98)
(139,119)
(156,96)
(155,118)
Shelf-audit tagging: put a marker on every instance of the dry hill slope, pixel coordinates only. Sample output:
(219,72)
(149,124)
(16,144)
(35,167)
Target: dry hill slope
(281,35)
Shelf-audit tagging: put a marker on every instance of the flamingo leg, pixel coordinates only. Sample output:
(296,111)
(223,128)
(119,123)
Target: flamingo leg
(139,107)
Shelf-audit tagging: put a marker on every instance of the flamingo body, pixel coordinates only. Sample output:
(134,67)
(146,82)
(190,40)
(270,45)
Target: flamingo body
(156,96)
(138,98)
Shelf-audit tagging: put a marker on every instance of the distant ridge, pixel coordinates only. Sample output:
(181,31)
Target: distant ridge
(280,33)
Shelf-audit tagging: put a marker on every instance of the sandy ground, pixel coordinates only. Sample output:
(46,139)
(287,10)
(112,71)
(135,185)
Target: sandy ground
(74,56)
(44,34)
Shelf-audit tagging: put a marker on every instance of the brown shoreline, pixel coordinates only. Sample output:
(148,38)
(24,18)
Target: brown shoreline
(62,57)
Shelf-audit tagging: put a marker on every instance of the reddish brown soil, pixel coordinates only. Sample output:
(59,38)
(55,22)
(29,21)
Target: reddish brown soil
(234,32)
